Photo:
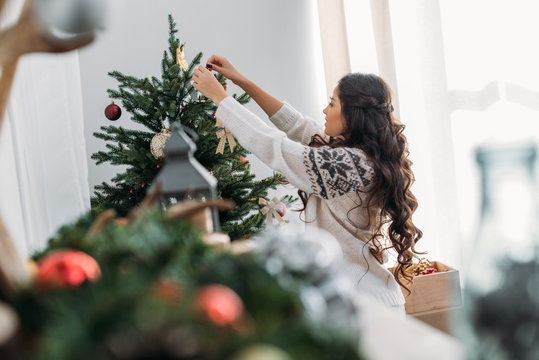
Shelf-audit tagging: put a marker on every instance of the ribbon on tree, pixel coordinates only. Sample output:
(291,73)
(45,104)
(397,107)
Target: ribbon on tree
(271,209)
(223,135)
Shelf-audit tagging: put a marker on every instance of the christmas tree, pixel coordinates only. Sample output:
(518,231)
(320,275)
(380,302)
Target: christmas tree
(155,103)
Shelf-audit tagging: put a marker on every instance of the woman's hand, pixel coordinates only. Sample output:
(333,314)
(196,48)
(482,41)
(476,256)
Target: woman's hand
(224,67)
(208,85)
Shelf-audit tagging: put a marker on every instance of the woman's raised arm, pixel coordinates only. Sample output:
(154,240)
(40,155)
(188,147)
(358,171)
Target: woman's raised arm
(267,102)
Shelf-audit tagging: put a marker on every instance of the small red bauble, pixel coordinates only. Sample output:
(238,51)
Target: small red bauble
(123,221)
(142,185)
(130,191)
(168,290)
(158,166)
(429,271)
(283,205)
(113,112)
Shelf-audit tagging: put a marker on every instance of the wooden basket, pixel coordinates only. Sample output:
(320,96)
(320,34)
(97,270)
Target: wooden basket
(439,290)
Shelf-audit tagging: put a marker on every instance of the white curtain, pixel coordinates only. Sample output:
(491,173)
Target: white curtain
(421,84)
(42,151)
(333,42)
(395,39)
(462,74)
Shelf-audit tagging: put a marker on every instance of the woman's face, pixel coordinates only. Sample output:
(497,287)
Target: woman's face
(335,123)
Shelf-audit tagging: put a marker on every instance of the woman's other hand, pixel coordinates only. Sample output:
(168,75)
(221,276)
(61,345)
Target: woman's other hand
(224,67)
(208,85)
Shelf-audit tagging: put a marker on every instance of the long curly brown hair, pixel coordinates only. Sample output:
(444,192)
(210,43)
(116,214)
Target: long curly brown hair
(370,126)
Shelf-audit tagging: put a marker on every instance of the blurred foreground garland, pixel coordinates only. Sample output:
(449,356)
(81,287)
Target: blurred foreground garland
(163,294)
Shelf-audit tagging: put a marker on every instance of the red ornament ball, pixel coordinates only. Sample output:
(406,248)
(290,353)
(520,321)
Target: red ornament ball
(113,112)
(67,268)
(283,205)
(221,304)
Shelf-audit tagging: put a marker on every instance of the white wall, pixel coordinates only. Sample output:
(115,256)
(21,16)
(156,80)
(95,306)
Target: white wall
(274,42)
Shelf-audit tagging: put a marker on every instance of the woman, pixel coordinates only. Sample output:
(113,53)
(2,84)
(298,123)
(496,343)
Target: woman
(355,171)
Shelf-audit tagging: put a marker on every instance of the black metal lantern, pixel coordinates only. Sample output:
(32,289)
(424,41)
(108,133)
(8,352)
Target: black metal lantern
(183,178)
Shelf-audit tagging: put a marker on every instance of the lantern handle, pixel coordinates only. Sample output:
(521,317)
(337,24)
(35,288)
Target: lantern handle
(190,132)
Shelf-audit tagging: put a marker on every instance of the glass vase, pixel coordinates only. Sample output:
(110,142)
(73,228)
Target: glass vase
(502,280)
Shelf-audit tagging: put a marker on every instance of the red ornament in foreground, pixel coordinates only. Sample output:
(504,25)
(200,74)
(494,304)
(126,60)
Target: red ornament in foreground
(113,111)
(221,304)
(67,268)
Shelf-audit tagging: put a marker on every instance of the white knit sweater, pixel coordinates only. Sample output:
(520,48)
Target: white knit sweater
(332,176)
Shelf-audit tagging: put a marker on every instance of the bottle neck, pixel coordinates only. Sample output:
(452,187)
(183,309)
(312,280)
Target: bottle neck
(509,203)
(507,188)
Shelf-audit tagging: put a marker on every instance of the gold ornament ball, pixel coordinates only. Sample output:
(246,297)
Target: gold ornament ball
(262,352)
(158,144)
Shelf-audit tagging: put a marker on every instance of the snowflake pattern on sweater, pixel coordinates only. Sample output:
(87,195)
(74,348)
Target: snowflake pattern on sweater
(334,172)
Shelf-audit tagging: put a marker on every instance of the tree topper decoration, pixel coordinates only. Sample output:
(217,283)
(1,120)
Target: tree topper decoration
(180,58)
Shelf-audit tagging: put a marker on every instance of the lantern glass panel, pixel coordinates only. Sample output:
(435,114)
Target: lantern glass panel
(183,178)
